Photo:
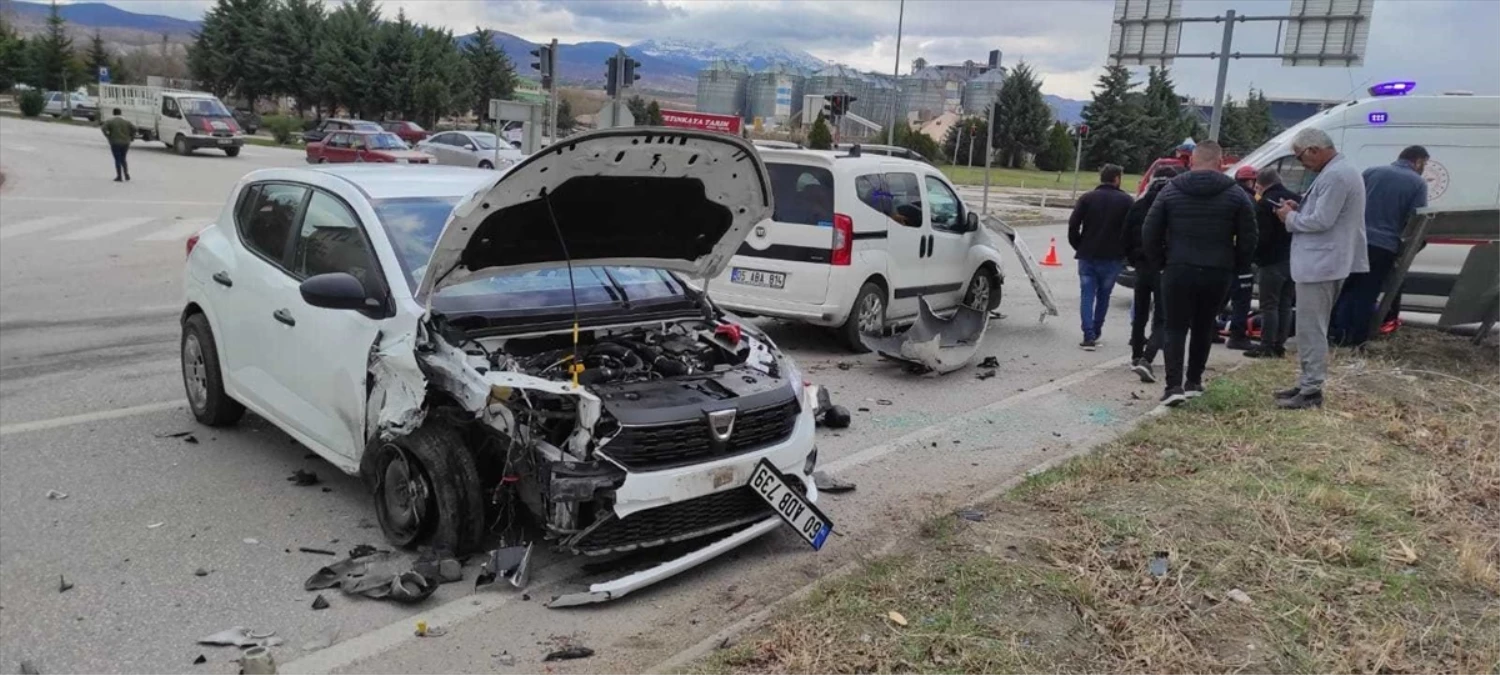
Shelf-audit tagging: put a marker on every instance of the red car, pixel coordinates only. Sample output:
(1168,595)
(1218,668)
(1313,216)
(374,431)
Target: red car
(364,146)
(411,132)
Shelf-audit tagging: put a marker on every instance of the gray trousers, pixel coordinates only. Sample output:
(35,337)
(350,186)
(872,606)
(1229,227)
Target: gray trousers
(1314,309)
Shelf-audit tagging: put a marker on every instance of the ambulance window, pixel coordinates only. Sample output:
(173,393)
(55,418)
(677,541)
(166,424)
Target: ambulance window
(1293,175)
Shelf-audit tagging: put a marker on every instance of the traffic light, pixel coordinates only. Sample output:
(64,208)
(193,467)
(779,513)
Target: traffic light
(612,76)
(630,76)
(838,104)
(543,64)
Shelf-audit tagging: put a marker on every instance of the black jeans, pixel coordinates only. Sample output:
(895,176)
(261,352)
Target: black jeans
(1192,296)
(1147,307)
(1277,295)
(1239,307)
(121,168)
(1350,325)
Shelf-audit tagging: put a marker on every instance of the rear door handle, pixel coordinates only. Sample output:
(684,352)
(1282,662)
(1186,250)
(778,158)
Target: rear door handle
(223,279)
(284,317)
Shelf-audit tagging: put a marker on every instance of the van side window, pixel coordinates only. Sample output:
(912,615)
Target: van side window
(871,190)
(169,107)
(947,211)
(906,198)
(803,194)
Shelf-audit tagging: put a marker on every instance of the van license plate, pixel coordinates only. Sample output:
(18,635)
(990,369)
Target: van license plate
(762,278)
(226,141)
(790,505)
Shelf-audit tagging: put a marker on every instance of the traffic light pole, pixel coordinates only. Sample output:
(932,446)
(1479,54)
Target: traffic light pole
(989,151)
(552,94)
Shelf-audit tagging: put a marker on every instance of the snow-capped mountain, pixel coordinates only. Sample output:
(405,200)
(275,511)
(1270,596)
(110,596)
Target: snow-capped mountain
(756,54)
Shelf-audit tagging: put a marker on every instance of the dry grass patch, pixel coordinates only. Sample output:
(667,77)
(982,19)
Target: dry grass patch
(1226,536)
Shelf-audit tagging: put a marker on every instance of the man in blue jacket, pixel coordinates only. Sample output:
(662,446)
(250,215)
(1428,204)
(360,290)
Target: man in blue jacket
(1392,194)
(1097,233)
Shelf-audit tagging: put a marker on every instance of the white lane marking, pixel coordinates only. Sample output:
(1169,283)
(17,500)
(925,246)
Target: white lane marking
(36,225)
(20,148)
(105,229)
(96,416)
(177,231)
(384,639)
(71,200)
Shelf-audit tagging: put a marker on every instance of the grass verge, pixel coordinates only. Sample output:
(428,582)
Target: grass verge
(1031,178)
(1224,536)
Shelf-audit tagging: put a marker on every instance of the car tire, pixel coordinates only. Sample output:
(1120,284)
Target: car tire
(440,504)
(180,146)
(485,164)
(985,283)
(868,311)
(202,377)
(232,152)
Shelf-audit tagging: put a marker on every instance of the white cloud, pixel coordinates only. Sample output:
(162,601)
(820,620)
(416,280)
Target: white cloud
(1442,44)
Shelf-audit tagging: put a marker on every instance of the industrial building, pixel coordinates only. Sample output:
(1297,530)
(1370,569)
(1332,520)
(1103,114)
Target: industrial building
(775,94)
(721,88)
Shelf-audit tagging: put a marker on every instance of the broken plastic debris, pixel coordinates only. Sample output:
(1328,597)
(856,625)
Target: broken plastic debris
(974,516)
(200,572)
(510,562)
(934,343)
(1238,595)
(896,617)
(831,484)
(374,577)
(569,653)
(303,478)
(985,374)
(190,439)
(251,541)
(424,630)
(54,494)
(1159,564)
(882,402)
(62,584)
(257,661)
(320,602)
(319,551)
(438,567)
(153,526)
(238,636)
(989,362)
(200,660)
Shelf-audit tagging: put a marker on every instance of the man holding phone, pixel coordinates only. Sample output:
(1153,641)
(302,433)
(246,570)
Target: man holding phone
(1273,251)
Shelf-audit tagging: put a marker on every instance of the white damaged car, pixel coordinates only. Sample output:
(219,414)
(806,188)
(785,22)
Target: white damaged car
(477,347)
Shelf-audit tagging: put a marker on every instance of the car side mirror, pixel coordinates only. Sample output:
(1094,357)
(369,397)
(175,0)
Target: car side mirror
(971,221)
(470,147)
(336,290)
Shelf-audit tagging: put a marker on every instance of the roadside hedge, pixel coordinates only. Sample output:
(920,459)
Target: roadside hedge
(32,102)
(282,127)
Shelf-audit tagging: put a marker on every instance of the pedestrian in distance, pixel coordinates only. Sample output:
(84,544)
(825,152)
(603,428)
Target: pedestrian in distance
(1328,244)
(1201,234)
(1393,193)
(120,132)
(1096,230)
(1146,306)
(1273,251)
(1244,284)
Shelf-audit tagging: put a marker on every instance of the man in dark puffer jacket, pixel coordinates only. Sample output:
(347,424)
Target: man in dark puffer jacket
(1147,305)
(1201,233)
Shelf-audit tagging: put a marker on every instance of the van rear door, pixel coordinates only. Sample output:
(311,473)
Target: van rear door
(786,258)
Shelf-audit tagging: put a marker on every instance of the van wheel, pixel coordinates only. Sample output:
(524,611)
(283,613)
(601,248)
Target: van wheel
(485,164)
(232,152)
(180,146)
(983,292)
(202,377)
(427,491)
(867,317)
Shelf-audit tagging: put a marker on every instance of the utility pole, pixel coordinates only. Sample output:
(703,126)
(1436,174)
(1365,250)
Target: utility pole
(1083,130)
(989,151)
(890,133)
(1218,118)
(551,92)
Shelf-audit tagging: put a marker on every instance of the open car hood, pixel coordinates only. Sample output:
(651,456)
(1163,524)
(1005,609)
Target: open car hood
(672,199)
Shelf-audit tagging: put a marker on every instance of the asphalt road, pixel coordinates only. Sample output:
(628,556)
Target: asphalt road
(91,397)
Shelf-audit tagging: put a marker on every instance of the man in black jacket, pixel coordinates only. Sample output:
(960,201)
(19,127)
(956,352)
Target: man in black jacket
(1097,233)
(1273,256)
(1147,302)
(1201,234)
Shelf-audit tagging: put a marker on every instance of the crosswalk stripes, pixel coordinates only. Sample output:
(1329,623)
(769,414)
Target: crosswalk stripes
(33,226)
(106,228)
(176,232)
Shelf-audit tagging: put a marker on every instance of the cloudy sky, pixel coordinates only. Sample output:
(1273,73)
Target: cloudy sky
(1441,44)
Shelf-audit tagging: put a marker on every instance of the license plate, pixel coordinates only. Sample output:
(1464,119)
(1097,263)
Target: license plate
(762,278)
(226,141)
(790,505)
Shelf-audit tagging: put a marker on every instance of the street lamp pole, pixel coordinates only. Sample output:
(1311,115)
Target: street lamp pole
(890,132)
(989,152)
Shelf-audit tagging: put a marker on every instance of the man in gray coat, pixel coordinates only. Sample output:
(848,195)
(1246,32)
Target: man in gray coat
(1328,244)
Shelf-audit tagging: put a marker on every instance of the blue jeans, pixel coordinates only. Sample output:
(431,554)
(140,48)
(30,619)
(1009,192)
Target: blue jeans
(1096,280)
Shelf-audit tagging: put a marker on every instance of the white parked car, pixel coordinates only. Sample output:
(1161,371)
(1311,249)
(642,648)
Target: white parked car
(427,329)
(470,148)
(855,240)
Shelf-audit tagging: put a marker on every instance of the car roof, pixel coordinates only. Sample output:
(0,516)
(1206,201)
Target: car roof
(841,161)
(391,182)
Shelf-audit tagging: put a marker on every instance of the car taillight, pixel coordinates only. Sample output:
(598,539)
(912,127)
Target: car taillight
(191,242)
(843,240)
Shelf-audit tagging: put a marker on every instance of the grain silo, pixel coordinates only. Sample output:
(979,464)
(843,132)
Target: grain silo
(981,91)
(923,93)
(881,103)
(775,94)
(721,88)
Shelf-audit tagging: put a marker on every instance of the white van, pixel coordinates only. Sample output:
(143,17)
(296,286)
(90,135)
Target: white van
(184,120)
(855,240)
(1461,132)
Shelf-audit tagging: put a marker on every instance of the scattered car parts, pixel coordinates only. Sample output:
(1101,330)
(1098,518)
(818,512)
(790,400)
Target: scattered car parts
(935,343)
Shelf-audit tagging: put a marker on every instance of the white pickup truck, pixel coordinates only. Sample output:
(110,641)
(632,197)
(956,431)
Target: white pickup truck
(184,120)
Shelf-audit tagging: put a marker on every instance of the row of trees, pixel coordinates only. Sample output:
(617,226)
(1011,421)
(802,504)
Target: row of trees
(52,60)
(347,58)
(1023,121)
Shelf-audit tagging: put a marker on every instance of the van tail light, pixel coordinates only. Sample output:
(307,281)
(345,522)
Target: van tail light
(191,242)
(843,240)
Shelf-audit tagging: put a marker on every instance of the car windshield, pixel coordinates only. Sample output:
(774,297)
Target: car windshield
(365,126)
(411,126)
(203,107)
(414,224)
(485,141)
(384,141)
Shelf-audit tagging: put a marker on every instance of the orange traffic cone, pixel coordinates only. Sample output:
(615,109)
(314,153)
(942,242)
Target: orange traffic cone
(1051,259)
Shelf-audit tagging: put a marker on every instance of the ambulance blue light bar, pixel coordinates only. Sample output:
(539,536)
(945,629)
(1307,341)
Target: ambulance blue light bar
(1392,88)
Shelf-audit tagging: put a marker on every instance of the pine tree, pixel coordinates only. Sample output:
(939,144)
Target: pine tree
(97,57)
(1258,121)
(637,107)
(346,55)
(494,76)
(1058,153)
(964,143)
(395,68)
(820,137)
(53,66)
(1022,117)
(12,56)
(565,121)
(298,29)
(654,116)
(1234,126)
(1113,120)
(1165,124)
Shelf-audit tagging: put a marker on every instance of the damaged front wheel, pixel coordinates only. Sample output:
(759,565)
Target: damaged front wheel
(427,491)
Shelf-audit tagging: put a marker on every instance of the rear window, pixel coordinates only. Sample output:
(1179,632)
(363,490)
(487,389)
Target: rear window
(804,194)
